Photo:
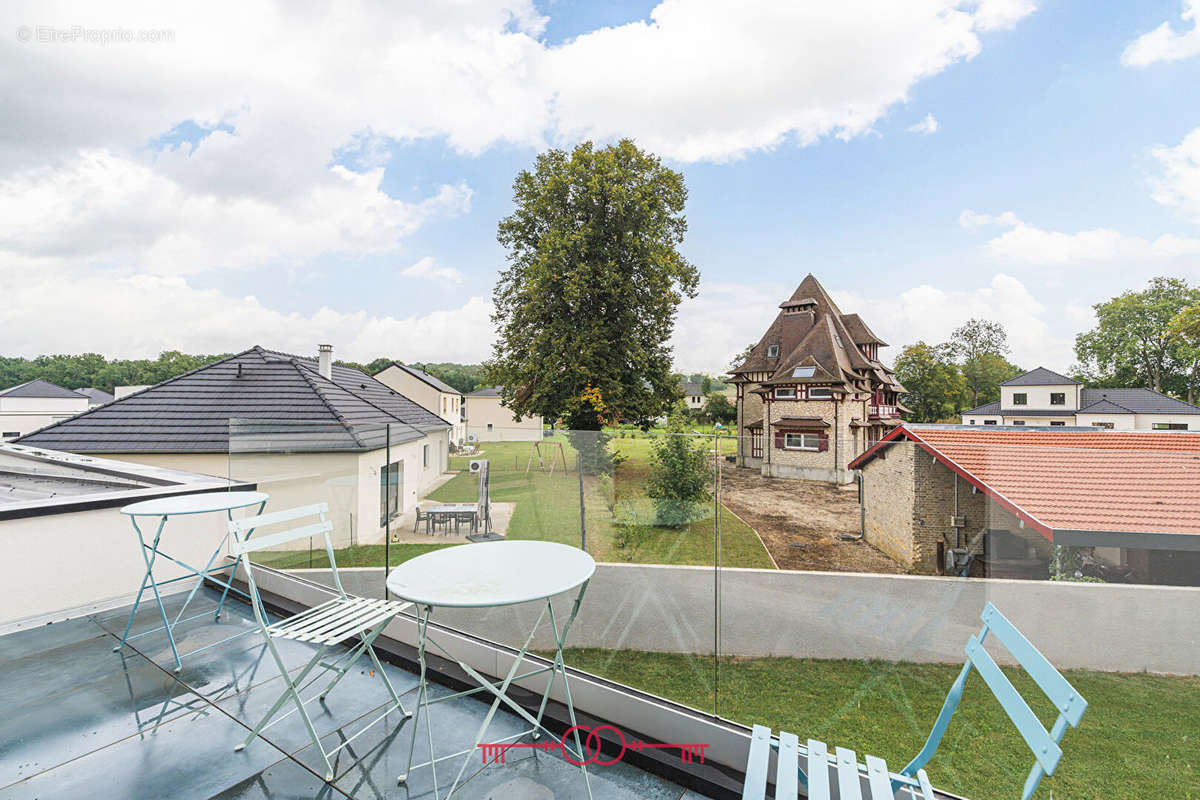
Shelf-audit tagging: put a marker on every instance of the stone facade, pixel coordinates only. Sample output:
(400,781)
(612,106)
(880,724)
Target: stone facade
(909,505)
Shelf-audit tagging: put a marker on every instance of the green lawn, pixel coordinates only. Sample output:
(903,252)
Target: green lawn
(1138,738)
(547,508)
(363,555)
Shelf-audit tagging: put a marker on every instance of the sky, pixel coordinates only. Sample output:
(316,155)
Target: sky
(212,177)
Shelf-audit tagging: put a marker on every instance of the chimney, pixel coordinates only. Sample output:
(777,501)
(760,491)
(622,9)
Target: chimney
(325,361)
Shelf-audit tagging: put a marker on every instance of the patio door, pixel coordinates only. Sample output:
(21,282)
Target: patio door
(391,490)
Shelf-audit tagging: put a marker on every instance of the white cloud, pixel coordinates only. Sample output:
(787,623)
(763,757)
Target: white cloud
(1164,43)
(930,314)
(107,209)
(102,208)
(425,269)
(140,316)
(927,125)
(720,321)
(1179,185)
(707,80)
(1026,243)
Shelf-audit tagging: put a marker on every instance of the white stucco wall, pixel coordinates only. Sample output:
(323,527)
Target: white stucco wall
(484,411)
(446,405)
(1039,397)
(22,415)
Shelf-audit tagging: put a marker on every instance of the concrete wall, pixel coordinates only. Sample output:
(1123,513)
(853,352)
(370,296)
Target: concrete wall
(349,482)
(830,615)
(61,561)
(484,411)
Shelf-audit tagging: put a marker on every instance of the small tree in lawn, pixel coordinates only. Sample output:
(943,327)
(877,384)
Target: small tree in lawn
(681,479)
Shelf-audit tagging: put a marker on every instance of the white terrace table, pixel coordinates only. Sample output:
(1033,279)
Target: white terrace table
(179,505)
(484,575)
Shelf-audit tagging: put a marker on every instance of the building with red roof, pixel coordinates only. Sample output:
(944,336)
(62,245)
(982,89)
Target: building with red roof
(1134,496)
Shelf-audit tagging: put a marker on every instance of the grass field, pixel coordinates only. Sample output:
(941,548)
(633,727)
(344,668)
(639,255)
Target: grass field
(1138,739)
(547,508)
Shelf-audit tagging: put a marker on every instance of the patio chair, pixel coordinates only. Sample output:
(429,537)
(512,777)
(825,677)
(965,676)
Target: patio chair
(421,517)
(912,781)
(325,626)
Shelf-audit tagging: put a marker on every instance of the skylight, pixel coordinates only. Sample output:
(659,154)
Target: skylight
(803,372)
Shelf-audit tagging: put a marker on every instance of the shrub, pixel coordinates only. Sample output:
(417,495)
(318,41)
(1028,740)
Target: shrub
(680,480)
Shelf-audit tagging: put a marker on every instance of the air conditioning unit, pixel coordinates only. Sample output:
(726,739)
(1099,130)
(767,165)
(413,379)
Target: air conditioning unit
(472,437)
(477,464)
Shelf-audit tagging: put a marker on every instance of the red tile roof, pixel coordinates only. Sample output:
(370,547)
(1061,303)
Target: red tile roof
(1123,481)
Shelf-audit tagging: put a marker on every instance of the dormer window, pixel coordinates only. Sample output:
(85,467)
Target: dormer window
(772,351)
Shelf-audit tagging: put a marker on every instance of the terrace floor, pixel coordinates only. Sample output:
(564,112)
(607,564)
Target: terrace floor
(77,720)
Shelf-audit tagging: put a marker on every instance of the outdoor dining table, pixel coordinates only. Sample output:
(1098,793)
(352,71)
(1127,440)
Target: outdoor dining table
(489,575)
(453,512)
(164,508)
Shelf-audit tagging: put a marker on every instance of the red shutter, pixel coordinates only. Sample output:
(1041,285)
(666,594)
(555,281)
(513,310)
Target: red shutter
(822,441)
(779,439)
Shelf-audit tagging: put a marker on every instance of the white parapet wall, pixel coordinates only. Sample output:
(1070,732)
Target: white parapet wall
(836,615)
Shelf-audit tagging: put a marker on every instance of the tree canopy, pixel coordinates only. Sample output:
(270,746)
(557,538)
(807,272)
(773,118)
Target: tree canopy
(980,347)
(586,304)
(1133,344)
(94,370)
(935,385)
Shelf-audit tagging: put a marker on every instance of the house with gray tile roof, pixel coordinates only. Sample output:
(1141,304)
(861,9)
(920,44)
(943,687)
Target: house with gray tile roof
(28,406)
(1041,397)
(489,420)
(296,426)
(428,391)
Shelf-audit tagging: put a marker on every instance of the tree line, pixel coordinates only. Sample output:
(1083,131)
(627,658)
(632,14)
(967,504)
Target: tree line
(1142,339)
(96,371)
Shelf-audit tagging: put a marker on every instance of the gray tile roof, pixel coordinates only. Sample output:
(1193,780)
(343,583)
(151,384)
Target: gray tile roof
(39,387)
(422,375)
(275,400)
(987,408)
(1040,377)
(1139,401)
(96,395)
(486,391)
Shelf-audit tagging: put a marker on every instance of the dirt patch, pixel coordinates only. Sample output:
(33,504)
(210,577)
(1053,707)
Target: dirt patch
(800,522)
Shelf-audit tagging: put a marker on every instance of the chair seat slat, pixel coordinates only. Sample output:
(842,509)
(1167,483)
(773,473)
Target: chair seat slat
(755,787)
(243,524)
(878,779)
(787,767)
(818,770)
(849,787)
(926,786)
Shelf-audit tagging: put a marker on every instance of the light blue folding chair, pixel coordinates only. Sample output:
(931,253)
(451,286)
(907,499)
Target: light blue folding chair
(325,625)
(849,775)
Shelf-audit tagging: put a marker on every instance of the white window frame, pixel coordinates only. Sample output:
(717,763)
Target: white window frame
(772,351)
(779,396)
(989,422)
(828,393)
(804,437)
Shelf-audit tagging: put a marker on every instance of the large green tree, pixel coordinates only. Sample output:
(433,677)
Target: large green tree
(1184,331)
(1132,344)
(934,383)
(587,301)
(980,347)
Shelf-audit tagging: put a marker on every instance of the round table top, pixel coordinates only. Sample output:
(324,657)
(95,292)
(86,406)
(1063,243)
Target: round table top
(491,574)
(201,503)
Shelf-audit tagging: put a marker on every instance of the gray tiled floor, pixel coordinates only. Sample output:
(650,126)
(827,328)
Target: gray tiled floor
(78,720)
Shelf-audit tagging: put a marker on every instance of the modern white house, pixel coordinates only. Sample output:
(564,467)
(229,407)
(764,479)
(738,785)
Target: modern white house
(429,392)
(302,429)
(488,420)
(35,404)
(1044,398)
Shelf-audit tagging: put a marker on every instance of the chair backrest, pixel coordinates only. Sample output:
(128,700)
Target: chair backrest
(1044,744)
(243,544)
